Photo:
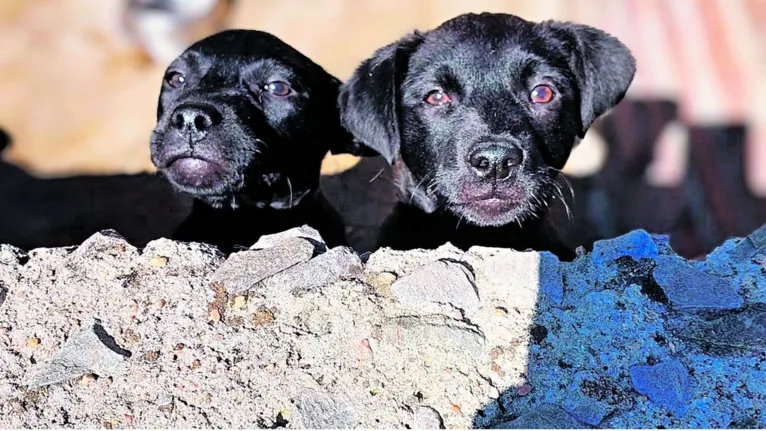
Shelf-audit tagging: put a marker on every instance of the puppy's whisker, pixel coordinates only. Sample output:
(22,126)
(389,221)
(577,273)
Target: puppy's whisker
(566,206)
(556,193)
(569,185)
(417,188)
(380,172)
(290,186)
(564,179)
(557,188)
(261,142)
(459,220)
(432,186)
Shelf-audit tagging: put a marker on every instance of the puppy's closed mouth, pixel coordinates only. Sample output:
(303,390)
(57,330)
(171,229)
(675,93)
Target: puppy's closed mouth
(191,170)
(186,159)
(491,209)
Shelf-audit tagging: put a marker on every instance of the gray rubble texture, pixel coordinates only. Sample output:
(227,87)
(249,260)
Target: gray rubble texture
(291,334)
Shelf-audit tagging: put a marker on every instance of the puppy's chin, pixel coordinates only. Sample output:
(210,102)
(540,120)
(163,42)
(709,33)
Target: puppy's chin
(494,207)
(193,173)
(202,179)
(492,212)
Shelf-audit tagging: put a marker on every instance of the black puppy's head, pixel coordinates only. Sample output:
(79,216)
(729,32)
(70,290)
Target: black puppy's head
(482,112)
(245,119)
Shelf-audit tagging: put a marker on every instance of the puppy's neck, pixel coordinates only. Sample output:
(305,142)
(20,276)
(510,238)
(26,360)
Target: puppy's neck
(289,202)
(229,229)
(242,203)
(408,227)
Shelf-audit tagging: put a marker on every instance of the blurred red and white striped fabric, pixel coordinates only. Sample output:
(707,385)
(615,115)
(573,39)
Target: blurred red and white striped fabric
(707,55)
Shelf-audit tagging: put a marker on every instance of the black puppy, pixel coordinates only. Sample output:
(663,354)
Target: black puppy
(244,121)
(478,116)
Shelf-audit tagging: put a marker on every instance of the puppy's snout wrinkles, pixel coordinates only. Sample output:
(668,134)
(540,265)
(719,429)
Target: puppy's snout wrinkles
(195,119)
(495,161)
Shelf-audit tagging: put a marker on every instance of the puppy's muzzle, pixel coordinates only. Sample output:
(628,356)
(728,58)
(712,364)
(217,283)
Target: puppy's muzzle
(494,160)
(195,120)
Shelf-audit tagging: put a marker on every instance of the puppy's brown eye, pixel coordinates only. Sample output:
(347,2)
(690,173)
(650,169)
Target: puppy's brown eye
(438,98)
(278,88)
(541,94)
(175,79)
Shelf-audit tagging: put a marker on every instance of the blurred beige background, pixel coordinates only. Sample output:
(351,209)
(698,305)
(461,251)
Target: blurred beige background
(78,95)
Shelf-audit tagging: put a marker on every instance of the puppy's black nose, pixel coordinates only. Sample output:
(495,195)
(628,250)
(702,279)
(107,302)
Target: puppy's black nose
(195,119)
(495,161)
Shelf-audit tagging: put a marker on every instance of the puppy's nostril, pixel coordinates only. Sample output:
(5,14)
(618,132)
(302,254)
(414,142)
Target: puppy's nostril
(201,122)
(480,163)
(513,157)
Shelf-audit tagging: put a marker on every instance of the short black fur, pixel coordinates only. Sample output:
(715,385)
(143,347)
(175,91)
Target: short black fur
(243,123)
(483,167)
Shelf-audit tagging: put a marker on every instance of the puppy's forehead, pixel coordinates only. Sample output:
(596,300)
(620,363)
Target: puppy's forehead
(487,27)
(488,41)
(245,46)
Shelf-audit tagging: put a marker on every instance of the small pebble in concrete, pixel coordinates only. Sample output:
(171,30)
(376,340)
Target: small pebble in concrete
(427,418)
(689,288)
(381,282)
(33,342)
(742,330)
(524,390)
(9,255)
(304,232)
(339,263)
(106,242)
(441,282)
(158,261)
(665,384)
(90,350)
(320,410)
(3,294)
(749,246)
(637,244)
(239,301)
(246,268)
(584,401)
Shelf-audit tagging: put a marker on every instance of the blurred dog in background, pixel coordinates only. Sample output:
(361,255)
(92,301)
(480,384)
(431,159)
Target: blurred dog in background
(165,28)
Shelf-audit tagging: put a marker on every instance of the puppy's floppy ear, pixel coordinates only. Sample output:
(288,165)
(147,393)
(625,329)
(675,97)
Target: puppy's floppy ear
(340,140)
(5,140)
(160,110)
(369,101)
(603,67)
